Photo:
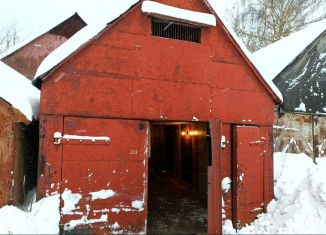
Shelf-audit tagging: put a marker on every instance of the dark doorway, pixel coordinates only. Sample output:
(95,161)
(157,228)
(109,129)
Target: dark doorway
(177,179)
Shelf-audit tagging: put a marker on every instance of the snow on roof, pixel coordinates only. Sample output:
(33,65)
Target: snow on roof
(217,7)
(272,59)
(69,47)
(19,92)
(45,27)
(178,13)
(80,38)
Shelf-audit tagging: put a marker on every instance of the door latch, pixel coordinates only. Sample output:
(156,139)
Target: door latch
(58,138)
(223,141)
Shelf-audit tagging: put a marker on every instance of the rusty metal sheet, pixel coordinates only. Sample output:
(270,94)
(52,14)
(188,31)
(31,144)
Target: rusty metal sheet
(299,133)
(248,195)
(119,165)
(27,59)
(6,158)
(321,136)
(293,134)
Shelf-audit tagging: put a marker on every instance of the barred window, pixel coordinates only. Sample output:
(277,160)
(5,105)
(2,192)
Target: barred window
(173,30)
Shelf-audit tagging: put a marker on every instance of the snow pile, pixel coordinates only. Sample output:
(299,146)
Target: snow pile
(19,92)
(300,205)
(178,13)
(42,219)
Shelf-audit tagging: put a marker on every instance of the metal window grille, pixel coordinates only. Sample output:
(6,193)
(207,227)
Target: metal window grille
(170,29)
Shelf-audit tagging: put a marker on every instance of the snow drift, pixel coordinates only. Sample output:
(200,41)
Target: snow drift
(42,219)
(300,199)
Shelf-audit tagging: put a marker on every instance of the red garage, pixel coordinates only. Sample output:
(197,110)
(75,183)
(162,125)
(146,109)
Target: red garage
(142,118)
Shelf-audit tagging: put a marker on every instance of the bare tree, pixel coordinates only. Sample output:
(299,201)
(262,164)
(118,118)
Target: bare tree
(261,22)
(8,37)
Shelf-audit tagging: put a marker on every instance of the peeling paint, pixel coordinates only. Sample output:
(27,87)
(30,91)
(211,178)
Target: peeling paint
(102,194)
(73,223)
(139,205)
(241,176)
(115,210)
(70,201)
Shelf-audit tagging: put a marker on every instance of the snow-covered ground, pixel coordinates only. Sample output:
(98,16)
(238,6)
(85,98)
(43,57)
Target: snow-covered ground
(41,217)
(299,207)
(300,199)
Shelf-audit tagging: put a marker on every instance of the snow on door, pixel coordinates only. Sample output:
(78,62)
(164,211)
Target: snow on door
(104,175)
(248,169)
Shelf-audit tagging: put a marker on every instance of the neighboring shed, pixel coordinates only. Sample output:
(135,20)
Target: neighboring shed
(19,102)
(26,56)
(142,118)
(298,64)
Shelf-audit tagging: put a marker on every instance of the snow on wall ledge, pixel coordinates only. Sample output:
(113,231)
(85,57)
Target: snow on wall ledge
(194,17)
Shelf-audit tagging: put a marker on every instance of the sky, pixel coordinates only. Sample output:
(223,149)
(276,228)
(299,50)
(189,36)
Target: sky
(31,16)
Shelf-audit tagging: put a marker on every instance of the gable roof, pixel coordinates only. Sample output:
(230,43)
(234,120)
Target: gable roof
(46,27)
(89,32)
(303,82)
(19,92)
(272,59)
(297,65)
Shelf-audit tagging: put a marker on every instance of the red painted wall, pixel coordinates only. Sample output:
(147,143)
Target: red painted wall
(127,73)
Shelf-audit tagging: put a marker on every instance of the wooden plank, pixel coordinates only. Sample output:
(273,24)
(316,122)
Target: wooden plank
(214,192)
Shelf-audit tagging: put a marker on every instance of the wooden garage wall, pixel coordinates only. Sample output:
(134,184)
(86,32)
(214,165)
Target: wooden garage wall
(18,155)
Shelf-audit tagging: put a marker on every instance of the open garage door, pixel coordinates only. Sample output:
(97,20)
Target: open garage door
(184,195)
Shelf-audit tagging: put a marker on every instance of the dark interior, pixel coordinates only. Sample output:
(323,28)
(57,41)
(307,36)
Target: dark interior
(177,184)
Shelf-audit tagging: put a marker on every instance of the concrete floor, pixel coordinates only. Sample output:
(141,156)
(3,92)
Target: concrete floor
(175,206)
